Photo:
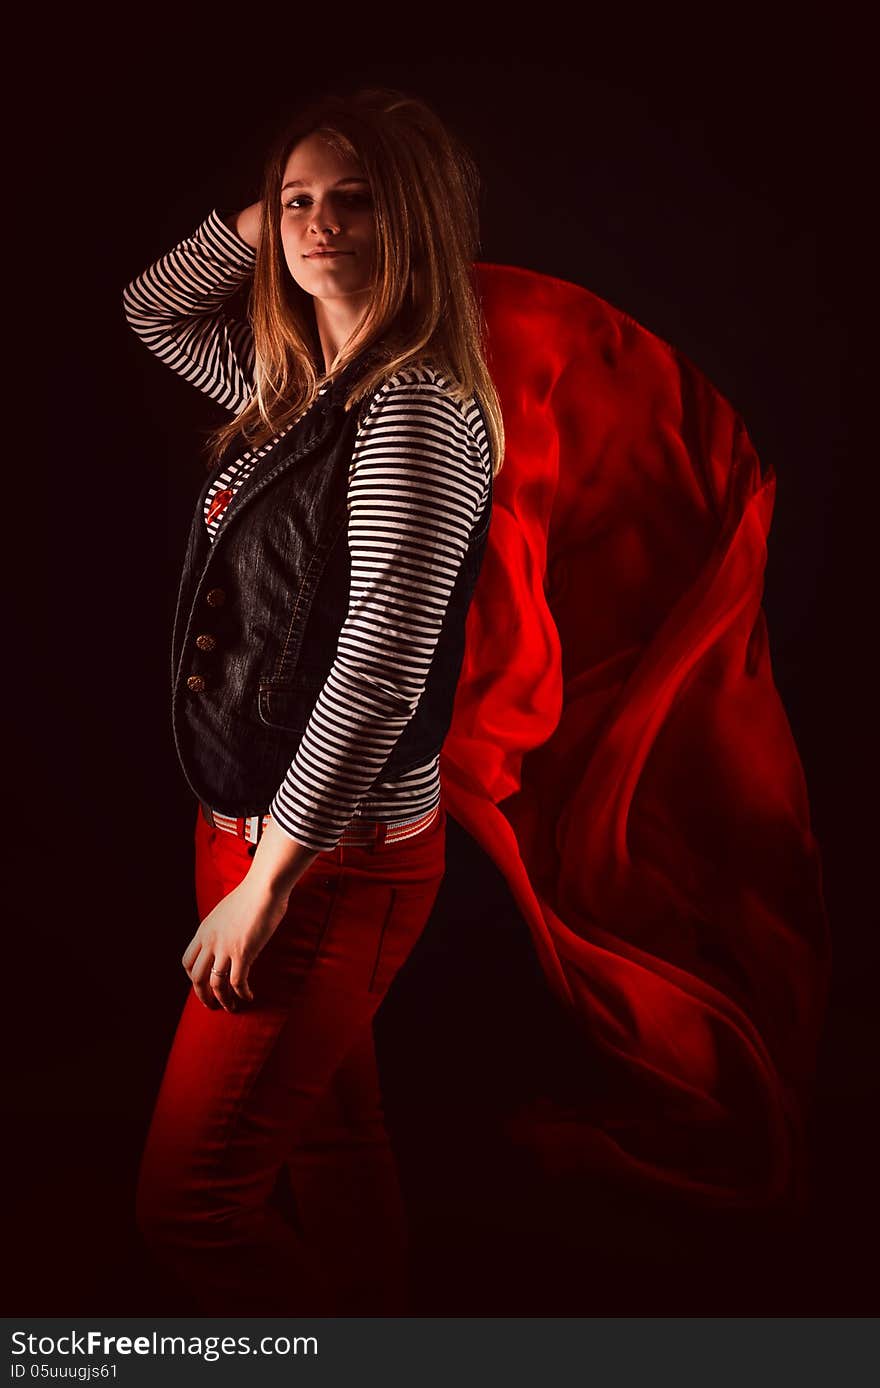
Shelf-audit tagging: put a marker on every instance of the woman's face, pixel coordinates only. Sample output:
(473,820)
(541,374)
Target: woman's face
(326,204)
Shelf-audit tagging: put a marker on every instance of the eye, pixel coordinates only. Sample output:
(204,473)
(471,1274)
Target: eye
(354,199)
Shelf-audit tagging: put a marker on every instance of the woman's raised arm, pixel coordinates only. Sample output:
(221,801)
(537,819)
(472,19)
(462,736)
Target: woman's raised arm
(177,306)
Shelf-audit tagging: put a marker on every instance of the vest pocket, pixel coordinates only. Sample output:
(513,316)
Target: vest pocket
(280,708)
(287,704)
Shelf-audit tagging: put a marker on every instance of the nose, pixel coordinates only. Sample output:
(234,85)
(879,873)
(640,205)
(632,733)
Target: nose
(323,221)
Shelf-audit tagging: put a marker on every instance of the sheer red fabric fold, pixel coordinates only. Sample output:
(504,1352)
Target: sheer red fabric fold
(620,751)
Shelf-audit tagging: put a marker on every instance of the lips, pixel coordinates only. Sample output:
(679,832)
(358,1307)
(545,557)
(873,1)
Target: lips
(319,255)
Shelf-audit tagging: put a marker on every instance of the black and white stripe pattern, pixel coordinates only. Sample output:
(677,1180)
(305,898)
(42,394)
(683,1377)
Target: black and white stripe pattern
(176,307)
(418,480)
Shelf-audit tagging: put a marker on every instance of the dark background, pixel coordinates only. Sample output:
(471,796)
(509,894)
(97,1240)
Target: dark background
(704,175)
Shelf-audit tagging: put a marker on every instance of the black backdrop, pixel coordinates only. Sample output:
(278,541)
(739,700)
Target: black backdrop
(705,180)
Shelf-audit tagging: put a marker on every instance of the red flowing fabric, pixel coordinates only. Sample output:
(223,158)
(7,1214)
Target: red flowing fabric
(620,751)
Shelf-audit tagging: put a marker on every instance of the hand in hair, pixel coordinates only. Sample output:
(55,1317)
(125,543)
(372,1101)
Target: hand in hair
(247,223)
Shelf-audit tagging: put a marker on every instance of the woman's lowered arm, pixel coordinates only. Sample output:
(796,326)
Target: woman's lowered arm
(419,478)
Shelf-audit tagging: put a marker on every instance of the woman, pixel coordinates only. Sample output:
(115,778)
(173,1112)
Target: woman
(317,645)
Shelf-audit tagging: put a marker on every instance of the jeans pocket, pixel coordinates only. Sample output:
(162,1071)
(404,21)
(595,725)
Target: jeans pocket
(300,938)
(378,974)
(406,912)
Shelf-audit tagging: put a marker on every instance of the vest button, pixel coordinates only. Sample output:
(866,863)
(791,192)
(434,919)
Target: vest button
(196,683)
(205,643)
(215,597)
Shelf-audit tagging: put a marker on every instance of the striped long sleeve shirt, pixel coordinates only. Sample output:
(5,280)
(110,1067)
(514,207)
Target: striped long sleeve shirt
(418,480)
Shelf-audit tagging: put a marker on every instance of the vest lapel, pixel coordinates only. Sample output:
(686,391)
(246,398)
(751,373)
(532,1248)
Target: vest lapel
(311,432)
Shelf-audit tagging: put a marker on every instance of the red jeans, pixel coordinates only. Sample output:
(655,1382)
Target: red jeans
(291,1081)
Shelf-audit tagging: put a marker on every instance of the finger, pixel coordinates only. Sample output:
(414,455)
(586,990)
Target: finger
(220,985)
(191,953)
(239,980)
(201,979)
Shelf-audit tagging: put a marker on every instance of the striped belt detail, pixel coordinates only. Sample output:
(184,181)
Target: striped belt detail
(358,830)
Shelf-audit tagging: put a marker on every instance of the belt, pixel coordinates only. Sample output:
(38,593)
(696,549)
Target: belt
(374,831)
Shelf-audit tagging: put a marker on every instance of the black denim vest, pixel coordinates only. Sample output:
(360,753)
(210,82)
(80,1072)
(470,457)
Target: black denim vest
(260,610)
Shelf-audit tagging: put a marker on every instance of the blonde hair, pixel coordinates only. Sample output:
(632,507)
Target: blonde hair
(425,188)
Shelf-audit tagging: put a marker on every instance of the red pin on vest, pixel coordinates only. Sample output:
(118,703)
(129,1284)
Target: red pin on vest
(219,503)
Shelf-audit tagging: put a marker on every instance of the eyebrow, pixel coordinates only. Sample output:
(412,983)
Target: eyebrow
(303,182)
